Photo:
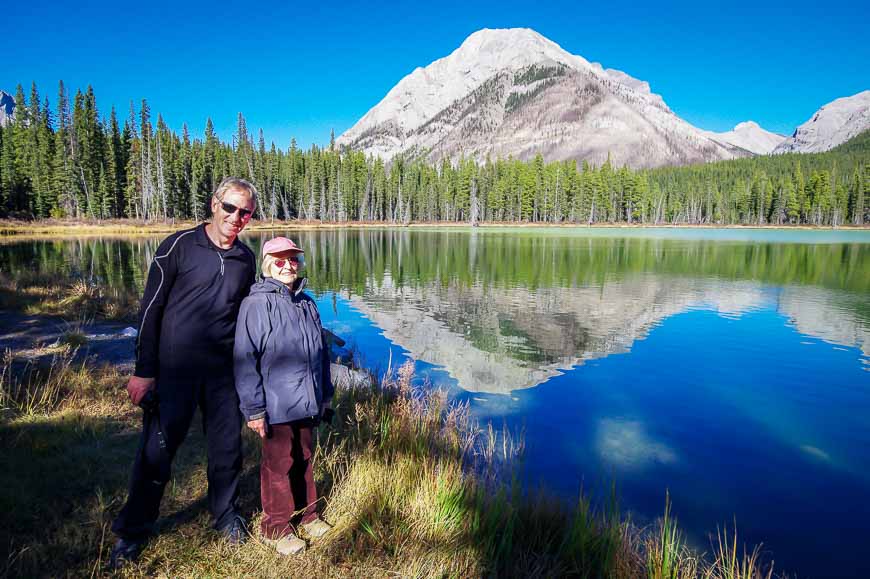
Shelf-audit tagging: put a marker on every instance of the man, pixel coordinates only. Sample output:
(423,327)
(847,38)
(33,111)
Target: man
(184,359)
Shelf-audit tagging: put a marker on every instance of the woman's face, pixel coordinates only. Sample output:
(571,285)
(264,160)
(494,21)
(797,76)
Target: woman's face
(285,267)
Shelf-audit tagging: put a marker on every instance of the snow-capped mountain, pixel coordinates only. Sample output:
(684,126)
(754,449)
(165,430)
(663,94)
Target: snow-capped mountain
(515,93)
(7,106)
(833,124)
(748,135)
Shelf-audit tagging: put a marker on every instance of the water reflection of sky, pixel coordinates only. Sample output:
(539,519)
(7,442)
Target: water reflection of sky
(753,406)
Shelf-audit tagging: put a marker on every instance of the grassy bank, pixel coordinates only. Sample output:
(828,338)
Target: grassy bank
(131,227)
(413,487)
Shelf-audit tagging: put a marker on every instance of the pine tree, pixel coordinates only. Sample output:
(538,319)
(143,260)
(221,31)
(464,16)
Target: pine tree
(840,205)
(801,194)
(46,162)
(20,176)
(160,170)
(37,169)
(856,200)
(210,162)
(244,150)
(792,202)
(184,175)
(62,172)
(865,189)
(148,197)
(134,185)
(115,164)
(7,170)
(93,151)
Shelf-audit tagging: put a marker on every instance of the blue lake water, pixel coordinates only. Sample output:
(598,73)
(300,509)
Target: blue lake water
(728,368)
(773,437)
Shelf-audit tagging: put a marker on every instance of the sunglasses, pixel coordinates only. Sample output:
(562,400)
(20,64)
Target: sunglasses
(282,262)
(230,208)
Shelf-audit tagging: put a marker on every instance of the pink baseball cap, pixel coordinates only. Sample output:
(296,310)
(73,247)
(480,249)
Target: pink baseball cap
(280,245)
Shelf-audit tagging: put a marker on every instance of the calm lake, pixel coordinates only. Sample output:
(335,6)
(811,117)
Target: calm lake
(730,368)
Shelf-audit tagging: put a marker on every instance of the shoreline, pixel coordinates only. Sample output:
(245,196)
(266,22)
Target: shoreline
(130,227)
(412,484)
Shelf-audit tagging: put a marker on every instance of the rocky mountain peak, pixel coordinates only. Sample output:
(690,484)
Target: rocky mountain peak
(746,126)
(833,124)
(749,136)
(7,108)
(513,92)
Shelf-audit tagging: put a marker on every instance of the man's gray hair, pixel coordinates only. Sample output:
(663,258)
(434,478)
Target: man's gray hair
(236,183)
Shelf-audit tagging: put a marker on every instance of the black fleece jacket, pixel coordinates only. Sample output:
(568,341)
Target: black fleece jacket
(187,319)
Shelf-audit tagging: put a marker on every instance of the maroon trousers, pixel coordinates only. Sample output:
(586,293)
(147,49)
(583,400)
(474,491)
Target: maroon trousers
(287,477)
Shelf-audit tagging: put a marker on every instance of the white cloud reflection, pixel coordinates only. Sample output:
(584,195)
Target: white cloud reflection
(625,445)
(816,452)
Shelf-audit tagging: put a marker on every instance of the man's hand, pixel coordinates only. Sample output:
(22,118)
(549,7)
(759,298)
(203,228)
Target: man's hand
(137,387)
(258,426)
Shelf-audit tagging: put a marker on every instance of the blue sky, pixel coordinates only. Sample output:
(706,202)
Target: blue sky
(301,69)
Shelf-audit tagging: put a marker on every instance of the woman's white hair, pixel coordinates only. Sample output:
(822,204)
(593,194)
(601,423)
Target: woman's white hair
(266,265)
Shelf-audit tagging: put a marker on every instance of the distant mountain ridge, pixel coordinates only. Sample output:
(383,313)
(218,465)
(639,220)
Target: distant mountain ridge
(833,124)
(749,136)
(515,93)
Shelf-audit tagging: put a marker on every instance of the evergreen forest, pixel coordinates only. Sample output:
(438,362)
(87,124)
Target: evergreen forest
(72,161)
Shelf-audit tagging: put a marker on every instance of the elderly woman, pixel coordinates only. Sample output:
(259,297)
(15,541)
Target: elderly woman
(282,375)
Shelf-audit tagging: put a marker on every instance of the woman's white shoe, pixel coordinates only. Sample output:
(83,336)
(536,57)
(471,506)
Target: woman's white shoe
(288,545)
(316,528)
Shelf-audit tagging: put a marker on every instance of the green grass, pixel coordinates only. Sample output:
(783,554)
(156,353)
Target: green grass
(411,484)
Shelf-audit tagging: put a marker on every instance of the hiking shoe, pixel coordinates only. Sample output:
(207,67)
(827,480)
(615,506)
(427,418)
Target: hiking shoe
(236,532)
(316,528)
(125,551)
(287,545)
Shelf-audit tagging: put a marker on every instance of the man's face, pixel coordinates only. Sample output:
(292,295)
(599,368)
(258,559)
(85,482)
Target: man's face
(232,213)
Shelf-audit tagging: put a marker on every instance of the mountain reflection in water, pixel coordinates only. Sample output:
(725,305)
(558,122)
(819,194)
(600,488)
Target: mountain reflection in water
(497,340)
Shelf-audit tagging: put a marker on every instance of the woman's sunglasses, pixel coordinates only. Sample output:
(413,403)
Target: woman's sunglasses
(230,208)
(282,262)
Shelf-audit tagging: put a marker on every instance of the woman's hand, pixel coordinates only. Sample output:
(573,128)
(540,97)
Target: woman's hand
(258,426)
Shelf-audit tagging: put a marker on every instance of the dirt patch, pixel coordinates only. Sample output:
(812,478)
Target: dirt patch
(37,338)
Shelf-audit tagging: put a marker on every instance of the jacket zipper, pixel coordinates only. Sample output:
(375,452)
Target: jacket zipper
(222,261)
(308,346)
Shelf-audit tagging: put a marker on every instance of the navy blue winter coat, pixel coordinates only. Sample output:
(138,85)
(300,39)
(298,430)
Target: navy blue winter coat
(281,361)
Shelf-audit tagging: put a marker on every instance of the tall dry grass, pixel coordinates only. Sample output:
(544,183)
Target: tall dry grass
(412,484)
(27,388)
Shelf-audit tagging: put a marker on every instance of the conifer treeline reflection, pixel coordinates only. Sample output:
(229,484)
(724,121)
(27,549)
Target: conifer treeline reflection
(351,259)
